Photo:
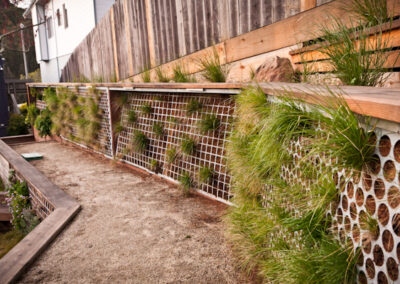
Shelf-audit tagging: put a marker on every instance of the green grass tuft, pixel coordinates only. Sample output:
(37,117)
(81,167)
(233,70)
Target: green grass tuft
(147,108)
(146,76)
(158,129)
(180,75)
(161,75)
(352,61)
(206,175)
(213,71)
(209,123)
(140,142)
(186,183)
(193,106)
(132,116)
(373,12)
(171,155)
(188,146)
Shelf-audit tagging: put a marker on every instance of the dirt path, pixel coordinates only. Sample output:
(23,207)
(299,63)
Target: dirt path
(132,228)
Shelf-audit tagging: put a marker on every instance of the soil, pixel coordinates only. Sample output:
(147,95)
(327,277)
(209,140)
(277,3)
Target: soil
(133,227)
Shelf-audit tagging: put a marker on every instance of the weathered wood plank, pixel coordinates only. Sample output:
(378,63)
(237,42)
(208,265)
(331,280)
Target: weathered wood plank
(307,4)
(151,45)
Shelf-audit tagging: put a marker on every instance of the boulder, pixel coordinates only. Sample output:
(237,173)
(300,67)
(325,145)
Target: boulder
(275,69)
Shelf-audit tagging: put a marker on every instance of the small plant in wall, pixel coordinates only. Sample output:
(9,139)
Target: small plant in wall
(118,128)
(132,116)
(188,146)
(19,204)
(155,166)
(206,175)
(208,123)
(193,106)
(158,129)
(186,183)
(140,142)
(171,155)
(147,108)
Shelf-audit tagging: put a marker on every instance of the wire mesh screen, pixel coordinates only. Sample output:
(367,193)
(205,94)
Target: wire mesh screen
(167,120)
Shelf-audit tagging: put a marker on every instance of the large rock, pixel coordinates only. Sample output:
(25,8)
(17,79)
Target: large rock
(276,69)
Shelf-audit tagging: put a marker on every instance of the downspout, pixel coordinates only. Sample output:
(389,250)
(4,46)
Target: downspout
(55,38)
(95,14)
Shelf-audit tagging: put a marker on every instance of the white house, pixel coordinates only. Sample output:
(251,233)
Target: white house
(65,24)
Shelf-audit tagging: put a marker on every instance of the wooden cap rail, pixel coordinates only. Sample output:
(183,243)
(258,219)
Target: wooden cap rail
(382,103)
(26,251)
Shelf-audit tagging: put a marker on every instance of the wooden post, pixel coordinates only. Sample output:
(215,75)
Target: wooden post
(150,34)
(307,5)
(114,41)
(128,37)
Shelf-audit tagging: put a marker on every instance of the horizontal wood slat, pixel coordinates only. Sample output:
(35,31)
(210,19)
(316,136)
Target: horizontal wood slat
(383,103)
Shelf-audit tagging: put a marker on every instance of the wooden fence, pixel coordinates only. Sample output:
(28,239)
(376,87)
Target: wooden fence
(139,34)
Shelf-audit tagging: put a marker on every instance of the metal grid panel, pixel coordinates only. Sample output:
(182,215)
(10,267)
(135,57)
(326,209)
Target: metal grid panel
(170,110)
(105,133)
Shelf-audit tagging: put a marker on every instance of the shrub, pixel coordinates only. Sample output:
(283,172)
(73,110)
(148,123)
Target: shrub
(51,99)
(43,123)
(209,123)
(31,113)
(140,142)
(188,146)
(18,201)
(193,106)
(213,71)
(17,125)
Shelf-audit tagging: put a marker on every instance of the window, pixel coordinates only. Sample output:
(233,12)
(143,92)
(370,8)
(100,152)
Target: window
(49,22)
(58,14)
(65,12)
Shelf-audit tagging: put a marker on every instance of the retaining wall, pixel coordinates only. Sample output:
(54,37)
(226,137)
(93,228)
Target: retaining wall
(376,193)
(54,206)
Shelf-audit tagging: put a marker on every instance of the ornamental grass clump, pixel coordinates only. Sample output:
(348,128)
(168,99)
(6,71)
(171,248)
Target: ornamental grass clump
(132,116)
(180,75)
(147,108)
(271,208)
(209,123)
(373,12)
(206,174)
(139,141)
(355,58)
(213,70)
(146,76)
(161,77)
(193,106)
(171,155)
(158,129)
(186,183)
(188,146)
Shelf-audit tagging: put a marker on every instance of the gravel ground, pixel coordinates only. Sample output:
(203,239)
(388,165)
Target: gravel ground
(133,228)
